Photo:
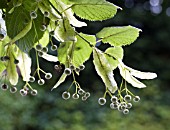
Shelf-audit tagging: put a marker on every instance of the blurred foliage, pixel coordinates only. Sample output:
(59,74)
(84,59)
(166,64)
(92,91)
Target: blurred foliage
(48,111)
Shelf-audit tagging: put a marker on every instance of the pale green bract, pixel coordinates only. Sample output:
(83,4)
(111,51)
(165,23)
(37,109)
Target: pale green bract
(67,12)
(94,10)
(11,67)
(61,80)
(49,57)
(118,36)
(2,51)
(127,73)
(104,70)
(24,65)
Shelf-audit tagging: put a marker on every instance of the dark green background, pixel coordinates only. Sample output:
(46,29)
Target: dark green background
(151,52)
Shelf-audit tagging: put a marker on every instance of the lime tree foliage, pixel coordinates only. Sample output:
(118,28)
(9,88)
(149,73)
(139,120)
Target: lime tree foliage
(31,24)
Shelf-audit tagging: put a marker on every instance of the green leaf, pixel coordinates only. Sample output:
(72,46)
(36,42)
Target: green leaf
(104,70)
(44,40)
(76,53)
(2,67)
(63,53)
(94,9)
(116,52)
(118,36)
(45,6)
(24,65)
(16,22)
(3,4)
(61,80)
(112,54)
(64,32)
(11,67)
(82,50)
(23,32)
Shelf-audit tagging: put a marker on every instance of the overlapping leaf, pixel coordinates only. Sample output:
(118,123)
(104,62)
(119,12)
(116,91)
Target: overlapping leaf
(119,36)
(94,9)
(78,52)
(112,54)
(64,32)
(17,22)
(104,70)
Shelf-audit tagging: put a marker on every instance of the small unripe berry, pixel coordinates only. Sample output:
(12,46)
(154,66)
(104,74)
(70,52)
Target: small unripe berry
(84,98)
(114,99)
(31,79)
(123,104)
(13,89)
(102,101)
(75,96)
(1,36)
(125,111)
(44,49)
(66,95)
(77,70)
(87,94)
(57,67)
(48,75)
(4,87)
(43,27)
(16,61)
(6,58)
(120,108)
(40,53)
(72,67)
(23,92)
(81,67)
(34,92)
(113,106)
(67,71)
(53,47)
(2,58)
(41,81)
(129,105)
(46,13)
(127,98)
(33,15)
(136,99)
(81,91)
(38,47)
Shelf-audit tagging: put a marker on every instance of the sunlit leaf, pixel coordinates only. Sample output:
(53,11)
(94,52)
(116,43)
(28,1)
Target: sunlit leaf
(94,9)
(118,36)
